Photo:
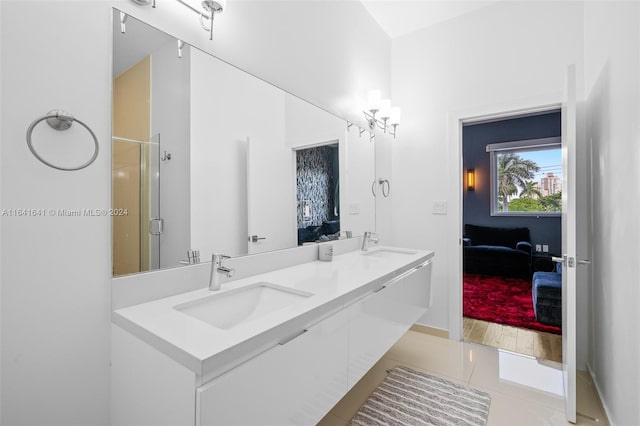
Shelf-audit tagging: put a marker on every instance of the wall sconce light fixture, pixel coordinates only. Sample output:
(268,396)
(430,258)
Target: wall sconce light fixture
(207,9)
(388,117)
(471,180)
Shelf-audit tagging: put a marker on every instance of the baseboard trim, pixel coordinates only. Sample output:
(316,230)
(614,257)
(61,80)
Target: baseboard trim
(605,409)
(438,332)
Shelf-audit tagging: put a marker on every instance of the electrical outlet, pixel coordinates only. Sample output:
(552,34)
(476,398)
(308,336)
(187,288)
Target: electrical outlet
(545,248)
(439,207)
(538,247)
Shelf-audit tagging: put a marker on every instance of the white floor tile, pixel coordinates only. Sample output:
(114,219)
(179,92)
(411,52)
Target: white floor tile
(507,410)
(443,357)
(518,375)
(332,420)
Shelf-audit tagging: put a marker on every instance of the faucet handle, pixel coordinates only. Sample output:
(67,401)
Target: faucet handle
(219,257)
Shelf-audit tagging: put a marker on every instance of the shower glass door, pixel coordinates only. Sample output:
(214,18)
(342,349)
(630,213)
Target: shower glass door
(136,193)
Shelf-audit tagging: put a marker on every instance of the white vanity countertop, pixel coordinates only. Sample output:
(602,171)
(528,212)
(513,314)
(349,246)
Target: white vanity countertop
(208,351)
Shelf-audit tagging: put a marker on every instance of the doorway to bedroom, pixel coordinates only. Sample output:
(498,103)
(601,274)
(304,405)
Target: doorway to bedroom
(318,193)
(512,229)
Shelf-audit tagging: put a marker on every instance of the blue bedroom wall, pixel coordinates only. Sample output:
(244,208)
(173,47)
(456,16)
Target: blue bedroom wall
(476,204)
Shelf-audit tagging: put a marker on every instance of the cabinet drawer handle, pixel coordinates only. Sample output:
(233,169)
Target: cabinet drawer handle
(292,337)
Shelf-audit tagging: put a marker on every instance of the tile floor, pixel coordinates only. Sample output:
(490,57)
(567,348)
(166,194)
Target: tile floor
(524,390)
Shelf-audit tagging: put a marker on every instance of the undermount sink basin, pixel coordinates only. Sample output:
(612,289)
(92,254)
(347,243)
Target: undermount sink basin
(232,308)
(386,252)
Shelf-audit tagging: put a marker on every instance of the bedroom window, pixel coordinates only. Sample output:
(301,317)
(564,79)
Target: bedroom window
(526,177)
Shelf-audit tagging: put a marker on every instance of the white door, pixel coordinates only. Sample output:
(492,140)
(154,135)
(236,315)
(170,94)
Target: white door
(569,246)
(271,209)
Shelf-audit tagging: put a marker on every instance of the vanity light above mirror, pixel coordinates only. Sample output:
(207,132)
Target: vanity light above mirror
(206,10)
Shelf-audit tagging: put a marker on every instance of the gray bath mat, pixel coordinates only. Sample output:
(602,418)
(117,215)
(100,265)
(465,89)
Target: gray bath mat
(409,397)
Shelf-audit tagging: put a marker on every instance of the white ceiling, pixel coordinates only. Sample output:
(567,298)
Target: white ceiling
(400,17)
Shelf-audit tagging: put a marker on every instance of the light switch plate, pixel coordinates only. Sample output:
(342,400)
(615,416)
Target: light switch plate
(439,207)
(354,208)
(538,247)
(545,248)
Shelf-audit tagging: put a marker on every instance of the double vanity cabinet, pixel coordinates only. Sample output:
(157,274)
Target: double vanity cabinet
(290,347)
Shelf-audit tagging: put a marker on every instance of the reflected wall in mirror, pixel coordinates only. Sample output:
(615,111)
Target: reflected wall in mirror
(205,157)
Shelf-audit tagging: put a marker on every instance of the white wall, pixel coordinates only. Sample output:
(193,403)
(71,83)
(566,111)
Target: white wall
(385,145)
(357,172)
(503,57)
(327,52)
(612,66)
(56,272)
(228,107)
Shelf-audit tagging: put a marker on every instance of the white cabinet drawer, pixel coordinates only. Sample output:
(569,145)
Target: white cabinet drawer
(294,383)
(379,320)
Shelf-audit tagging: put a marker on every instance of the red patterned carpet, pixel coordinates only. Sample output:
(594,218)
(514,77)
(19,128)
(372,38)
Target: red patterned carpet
(503,300)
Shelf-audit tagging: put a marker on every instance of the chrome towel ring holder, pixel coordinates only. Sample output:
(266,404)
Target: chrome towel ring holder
(60,120)
(381,182)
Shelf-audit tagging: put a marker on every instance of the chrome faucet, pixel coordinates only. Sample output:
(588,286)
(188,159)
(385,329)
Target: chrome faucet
(369,237)
(217,269)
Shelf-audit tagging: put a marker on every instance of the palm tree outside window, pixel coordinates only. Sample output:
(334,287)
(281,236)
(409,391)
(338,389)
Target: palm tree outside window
(526,177)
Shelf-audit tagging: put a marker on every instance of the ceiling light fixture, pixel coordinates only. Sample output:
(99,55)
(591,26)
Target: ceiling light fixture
(207,9)
(388,117)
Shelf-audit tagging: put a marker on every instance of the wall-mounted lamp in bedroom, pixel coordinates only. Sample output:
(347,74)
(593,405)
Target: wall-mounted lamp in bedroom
(388,118)
(471,179)
(207,9)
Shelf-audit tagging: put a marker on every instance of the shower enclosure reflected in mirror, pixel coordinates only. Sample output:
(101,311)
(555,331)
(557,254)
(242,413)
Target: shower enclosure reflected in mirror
(205,158)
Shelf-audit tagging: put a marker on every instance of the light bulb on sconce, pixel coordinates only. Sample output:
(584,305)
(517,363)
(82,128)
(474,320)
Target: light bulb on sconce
(471,180)
(385,109)
(380,113)
(396,113)
(373,101)
(394,119)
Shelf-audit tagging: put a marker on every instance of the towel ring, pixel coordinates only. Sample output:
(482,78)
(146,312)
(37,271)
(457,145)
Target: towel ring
(60,120)
(382,183)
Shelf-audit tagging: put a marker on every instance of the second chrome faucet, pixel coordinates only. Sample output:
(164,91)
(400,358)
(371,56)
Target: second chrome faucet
(369,237)
(217,269)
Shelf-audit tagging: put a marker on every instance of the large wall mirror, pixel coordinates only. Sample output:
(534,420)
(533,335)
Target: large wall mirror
(207,157)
